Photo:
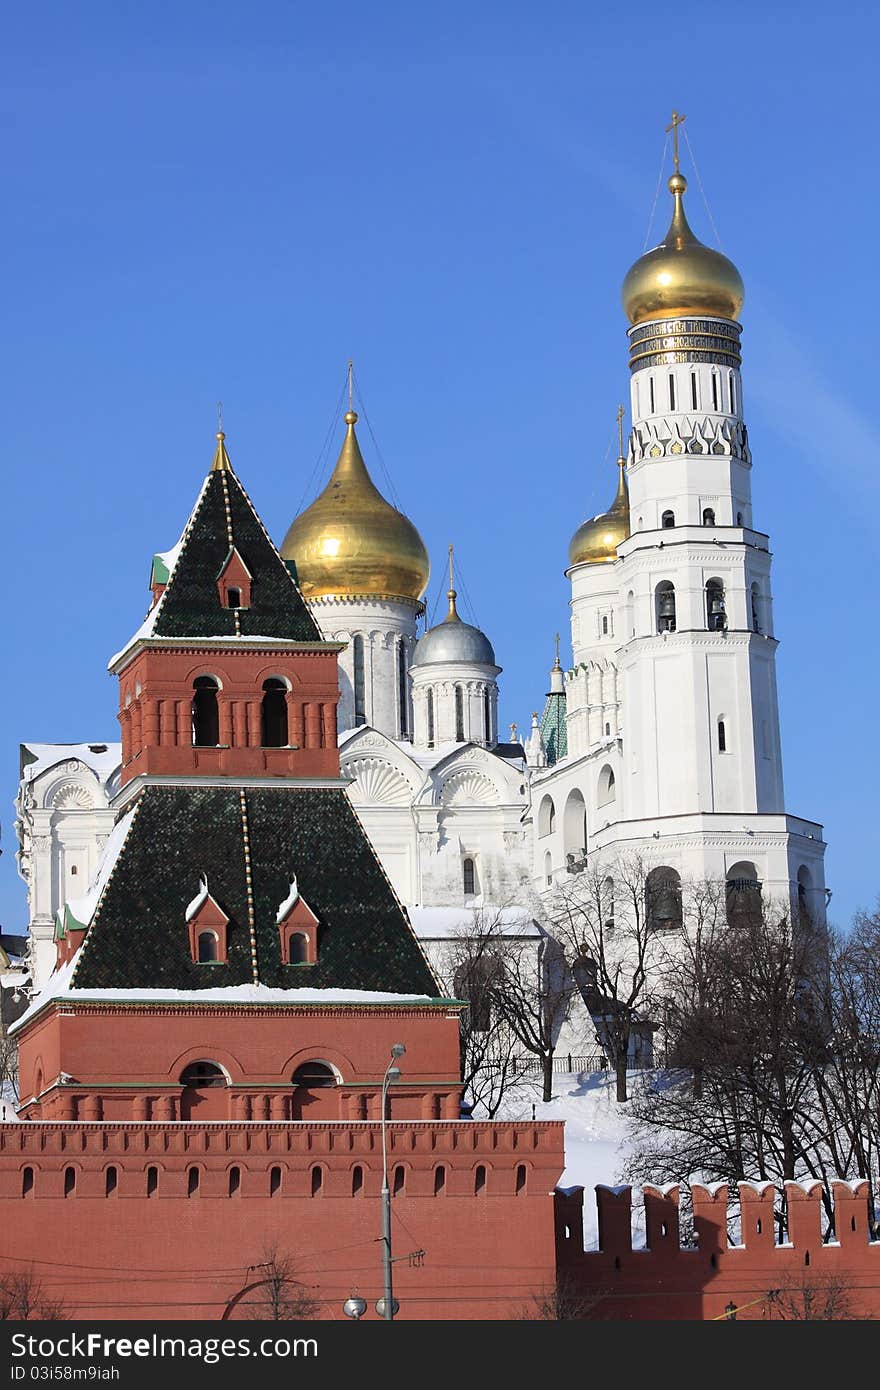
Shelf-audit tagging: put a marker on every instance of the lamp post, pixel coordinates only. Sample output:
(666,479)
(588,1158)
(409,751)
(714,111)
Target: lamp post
(392,1072)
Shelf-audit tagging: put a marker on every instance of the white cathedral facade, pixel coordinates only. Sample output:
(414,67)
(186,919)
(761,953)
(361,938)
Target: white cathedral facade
(661,738)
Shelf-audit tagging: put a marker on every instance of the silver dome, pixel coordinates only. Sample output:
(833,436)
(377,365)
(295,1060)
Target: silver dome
(454,641)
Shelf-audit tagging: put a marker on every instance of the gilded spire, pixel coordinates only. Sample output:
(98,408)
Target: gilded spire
(452,615)
(220,462)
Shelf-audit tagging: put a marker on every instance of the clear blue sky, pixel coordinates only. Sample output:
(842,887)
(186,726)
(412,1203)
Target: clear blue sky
(205,201)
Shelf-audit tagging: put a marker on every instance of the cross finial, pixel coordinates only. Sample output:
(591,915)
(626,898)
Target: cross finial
(450,568)
(620,431)
(351,383)
(677,120)
(556,640)
(220,416)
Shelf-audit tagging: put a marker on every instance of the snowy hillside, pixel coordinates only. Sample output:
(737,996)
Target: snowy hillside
(596,1149)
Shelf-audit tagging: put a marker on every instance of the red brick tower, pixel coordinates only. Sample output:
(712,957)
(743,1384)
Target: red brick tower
(230,988)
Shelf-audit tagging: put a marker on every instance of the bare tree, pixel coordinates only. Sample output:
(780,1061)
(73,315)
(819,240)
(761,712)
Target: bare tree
(847,1080)
(488,1048)
(24,1298)
(565,1301)
(748,1019)
(818,1298)
(9,1069)
(273,1293)
(602,919)
(532,992)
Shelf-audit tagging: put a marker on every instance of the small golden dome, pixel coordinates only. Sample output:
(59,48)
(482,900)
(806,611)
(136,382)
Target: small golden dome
(351,541)
(595,541)
(681,276)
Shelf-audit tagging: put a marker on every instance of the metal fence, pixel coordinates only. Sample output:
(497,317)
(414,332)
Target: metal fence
(523,1066)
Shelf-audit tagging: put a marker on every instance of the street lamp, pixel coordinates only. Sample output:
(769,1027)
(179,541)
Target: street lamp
(354,1307)
(392,1072)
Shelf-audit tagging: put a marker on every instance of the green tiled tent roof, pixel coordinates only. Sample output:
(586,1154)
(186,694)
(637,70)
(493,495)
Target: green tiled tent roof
(552,726)
(191,607)
(139,937)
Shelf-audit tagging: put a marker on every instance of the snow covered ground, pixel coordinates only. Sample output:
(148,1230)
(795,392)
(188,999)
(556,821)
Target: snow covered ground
(596,1148)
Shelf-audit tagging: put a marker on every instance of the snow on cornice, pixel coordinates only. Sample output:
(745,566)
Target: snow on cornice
(58,988)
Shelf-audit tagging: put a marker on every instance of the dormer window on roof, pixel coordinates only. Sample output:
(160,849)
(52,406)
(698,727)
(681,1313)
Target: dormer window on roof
(234,581)
(207,923)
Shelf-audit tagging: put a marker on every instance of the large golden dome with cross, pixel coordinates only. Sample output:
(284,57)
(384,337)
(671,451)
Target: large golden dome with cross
(351,541)
(682,277)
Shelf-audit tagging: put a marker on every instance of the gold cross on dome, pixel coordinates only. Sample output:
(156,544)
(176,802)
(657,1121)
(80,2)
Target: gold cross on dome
(620,431)
(677,120)
(350,384)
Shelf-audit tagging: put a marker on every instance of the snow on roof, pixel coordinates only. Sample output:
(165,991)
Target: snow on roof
(441,923)
(82,909)
(58,986)
(167,560)
(172,555)
(200,897)
(291,898)
(102,758)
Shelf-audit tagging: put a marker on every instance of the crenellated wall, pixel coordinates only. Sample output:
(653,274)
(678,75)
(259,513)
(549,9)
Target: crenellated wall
(663,1279)
(163,1220)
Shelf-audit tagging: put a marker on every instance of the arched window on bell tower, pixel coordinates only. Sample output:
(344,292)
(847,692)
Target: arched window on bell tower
(205,712)
(430,711)
(716,617)
(665,603)
(360,684)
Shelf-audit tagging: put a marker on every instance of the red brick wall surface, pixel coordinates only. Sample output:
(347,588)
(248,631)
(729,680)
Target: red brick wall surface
(485,1222)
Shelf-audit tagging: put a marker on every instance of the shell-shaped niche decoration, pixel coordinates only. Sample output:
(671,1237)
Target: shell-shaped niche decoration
(377,783)
(72,797)
(468,788)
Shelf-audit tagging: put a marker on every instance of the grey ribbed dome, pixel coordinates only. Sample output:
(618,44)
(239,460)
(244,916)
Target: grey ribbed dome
(454,641)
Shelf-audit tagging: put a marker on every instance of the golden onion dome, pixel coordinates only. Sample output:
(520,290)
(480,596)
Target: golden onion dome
(595,541)
(681,276)
(351,541)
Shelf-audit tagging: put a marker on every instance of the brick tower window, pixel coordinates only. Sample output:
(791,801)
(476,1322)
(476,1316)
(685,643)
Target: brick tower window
(205,712)
(274,714)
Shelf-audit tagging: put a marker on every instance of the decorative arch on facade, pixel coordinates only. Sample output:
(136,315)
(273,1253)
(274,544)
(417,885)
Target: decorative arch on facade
(574,826)
(546,816)
(606,786)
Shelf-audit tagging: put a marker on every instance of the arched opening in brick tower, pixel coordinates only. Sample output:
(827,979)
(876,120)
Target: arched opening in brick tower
(315,1096)
(204,1095)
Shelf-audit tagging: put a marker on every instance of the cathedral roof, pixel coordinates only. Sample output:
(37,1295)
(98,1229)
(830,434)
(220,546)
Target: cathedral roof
(223,519)
(553,731)
(351,541)
(455,642)
(261,838)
